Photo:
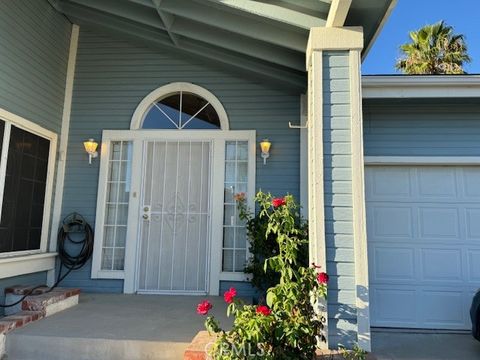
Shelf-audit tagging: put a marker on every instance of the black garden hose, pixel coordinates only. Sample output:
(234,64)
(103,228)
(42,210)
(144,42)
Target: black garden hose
(72,224)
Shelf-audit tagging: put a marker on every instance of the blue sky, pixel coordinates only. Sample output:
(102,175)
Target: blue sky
(408,15)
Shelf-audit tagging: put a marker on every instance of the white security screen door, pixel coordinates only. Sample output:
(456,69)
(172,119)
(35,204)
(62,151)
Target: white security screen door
(175,217)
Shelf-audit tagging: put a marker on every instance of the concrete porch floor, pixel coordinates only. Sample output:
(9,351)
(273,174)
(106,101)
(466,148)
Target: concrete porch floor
(402,345)
(134,327)
(114,326)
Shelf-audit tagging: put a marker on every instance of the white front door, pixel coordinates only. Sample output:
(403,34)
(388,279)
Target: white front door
(175,217)
(423,225)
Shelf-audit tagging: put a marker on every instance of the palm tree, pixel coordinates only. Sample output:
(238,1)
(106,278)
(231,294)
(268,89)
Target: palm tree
(434,49)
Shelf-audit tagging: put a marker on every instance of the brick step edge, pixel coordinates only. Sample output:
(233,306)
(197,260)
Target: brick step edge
(41,302)
(12,322)
(45,303)
(202,341)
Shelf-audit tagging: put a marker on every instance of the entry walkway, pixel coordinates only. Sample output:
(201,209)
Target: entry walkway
(401,345)
(115,327)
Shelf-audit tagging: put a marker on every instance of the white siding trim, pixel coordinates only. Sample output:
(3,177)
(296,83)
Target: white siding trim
(426,86)
(304,156)
(62,151)
(359,211)
(421,160)
(3,161)
(163,91)
(316,202)
(20,265)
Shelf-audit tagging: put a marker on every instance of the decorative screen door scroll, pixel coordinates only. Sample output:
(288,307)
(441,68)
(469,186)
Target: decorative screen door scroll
(175,217)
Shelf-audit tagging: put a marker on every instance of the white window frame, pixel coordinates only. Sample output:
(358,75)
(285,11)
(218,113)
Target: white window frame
(138,137)
(28,260)
(173,88)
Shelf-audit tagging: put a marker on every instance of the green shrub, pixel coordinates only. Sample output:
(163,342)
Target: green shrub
(286,327)
(262,246)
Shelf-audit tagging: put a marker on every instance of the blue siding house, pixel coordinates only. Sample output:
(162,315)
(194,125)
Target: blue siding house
(178,94)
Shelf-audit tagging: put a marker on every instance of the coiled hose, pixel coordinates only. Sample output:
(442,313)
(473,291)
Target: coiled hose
(72,224)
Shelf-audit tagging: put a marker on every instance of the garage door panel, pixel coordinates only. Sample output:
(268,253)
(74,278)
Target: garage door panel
(424,244)
(441,265)
(438,308)
(473,259)
(391,222)
(393,263)
(438,182)
(438,223)
(471,181)
(391,182)
(473,223)
(393,306)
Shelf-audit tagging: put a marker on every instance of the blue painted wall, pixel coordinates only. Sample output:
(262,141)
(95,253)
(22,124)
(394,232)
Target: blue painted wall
(338,198)
(442,127)
(113,76)
(34,43)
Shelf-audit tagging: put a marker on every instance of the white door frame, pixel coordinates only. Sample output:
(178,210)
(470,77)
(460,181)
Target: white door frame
(218,138)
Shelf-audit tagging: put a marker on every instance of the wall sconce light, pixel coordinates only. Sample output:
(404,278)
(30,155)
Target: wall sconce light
(265,145)
(91,149)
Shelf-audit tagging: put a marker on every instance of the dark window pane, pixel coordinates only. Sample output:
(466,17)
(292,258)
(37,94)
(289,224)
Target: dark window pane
(185,111)
(24,194)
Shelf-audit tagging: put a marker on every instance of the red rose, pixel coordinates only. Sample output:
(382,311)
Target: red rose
(278,202)
(204,307)
(264,310)
(229,295)
(239,196)
(322,278)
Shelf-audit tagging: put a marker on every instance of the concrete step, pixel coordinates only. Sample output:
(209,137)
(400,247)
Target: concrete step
(34,307)
(28,347)
(115,327)
(41,299)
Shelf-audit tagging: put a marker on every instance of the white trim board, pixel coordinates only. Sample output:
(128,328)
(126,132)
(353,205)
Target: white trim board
(424,86)
(358,204)
(422,160)
(63,147)
(28,264)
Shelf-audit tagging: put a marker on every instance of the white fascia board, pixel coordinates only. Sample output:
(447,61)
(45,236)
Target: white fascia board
(421,86)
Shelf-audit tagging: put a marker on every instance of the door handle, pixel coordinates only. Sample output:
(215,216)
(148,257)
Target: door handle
(146,213)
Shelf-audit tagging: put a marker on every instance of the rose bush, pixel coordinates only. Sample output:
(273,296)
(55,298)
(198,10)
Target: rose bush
(263,244)
(287,326)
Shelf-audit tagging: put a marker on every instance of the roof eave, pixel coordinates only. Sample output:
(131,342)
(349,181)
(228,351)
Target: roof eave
(420,86)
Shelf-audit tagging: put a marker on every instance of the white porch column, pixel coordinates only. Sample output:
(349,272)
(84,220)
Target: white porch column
(336,180)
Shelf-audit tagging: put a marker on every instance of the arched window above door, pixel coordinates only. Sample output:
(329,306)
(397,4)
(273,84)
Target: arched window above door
(180,106)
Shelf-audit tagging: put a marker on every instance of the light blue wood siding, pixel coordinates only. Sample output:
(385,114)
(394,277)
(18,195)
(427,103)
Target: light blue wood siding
(422,128)
(34,43)
(338,197)
(39,278)
(113,76)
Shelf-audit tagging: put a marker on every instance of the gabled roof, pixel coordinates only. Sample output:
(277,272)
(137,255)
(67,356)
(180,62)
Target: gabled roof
(266,37)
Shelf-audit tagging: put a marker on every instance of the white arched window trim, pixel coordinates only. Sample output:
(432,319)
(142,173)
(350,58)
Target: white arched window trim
(170,89)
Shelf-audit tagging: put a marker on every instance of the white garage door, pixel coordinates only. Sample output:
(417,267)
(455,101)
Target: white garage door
(423,225)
